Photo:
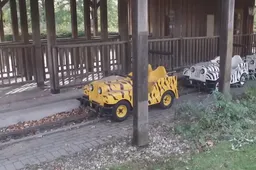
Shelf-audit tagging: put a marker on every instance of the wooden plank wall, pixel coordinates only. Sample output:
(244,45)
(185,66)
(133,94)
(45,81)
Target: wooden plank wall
(190,17)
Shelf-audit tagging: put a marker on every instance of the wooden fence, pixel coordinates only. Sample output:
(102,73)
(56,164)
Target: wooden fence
(17,64)
(80,61)
(177,53)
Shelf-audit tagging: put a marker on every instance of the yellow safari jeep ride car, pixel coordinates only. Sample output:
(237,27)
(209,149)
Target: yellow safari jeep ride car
(113,95)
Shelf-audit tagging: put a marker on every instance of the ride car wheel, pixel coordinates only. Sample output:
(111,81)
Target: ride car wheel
(167,100)
(216,86)
(242,80)
(121,111)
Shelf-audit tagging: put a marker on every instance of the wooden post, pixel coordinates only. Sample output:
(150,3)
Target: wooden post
(26,55)
(14,18)
(226,44)
(75,58)
(73,18)
(39,59)
(140,72)
(24,21)
(15,36)
(87,20)
(104,35)
(95,17)
(130,16)
(51,42)
(124,31)
(88,32)
(1,26)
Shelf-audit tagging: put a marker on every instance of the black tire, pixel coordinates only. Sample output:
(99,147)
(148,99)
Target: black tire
(242,80)
(186,82)
(162,104)
(119,118)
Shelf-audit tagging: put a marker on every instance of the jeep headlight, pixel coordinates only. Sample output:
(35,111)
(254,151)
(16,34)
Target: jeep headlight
(252,62)
(193,69)
(202,71)
(100,90)
(91,87)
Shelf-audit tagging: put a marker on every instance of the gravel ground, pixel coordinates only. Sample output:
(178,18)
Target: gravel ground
(162,143)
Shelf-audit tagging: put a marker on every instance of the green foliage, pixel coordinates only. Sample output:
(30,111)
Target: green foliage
(62,17)
(225,119)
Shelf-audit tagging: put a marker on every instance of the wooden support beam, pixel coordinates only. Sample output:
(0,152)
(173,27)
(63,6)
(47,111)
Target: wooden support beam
(124,31)
(140,72)
(87,19)
(14,18)
(39,59)
(3,3)
(74,52)
(1,26)
(95,18)
(73,11)
(104,35)
(88,32)
(51,42)
(26,53)
(23,21)
(98,4)
(226,44)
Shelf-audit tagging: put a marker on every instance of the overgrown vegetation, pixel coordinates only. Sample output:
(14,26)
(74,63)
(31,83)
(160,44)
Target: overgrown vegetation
(224,119)
(222,135)
(219,158)
(62,17)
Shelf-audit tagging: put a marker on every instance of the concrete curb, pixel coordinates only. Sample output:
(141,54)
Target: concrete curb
(20,105)
(63,129)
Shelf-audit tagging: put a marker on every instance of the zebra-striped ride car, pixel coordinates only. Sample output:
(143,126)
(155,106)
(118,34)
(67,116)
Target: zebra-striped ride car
(251,60)
(206,74)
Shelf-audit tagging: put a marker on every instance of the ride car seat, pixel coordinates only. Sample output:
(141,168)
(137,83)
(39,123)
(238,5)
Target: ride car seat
(154,76)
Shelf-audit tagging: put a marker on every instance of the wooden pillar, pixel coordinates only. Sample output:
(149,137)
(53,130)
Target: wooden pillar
(51,41)
(75,58)
(156,18)
(26,52)
(14,18)
(1,26)
(39,59)
(130,16)
(104,35)
(95,17)
(226,44)
(88,33)
(104,19)
(87,20)
(73,18)
(124,32)
(140,70)
(23,21)
(15,36)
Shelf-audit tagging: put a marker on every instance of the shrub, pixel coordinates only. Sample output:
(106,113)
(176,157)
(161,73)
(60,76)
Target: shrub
(224,118)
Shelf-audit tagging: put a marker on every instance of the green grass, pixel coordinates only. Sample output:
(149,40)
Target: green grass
(224,120)
(221,157)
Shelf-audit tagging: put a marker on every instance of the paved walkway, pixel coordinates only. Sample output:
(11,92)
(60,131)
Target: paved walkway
(66,143)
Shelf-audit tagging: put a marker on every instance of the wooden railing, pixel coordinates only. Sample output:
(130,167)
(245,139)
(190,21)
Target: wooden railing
(81,63)
(175,53)
(244,44)
(67,41)
(17,64)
